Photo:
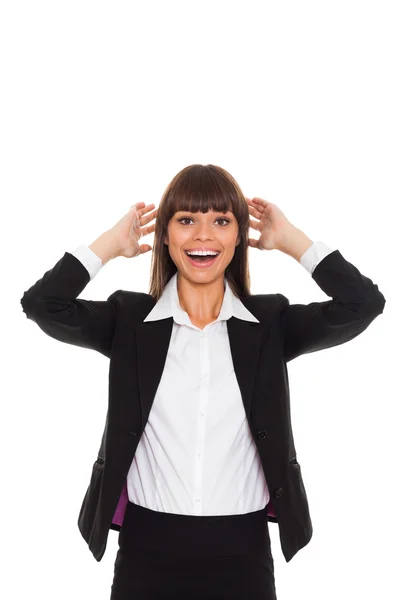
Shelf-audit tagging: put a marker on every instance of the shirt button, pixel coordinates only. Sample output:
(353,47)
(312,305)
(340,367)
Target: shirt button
(199,455)
(202,334)
(197,500)
(204,375)
(202,414)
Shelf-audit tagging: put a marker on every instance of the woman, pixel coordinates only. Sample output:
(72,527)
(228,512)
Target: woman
(198,376)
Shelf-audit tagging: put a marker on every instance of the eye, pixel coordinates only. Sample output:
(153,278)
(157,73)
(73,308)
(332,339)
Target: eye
(184,219)
(190,219)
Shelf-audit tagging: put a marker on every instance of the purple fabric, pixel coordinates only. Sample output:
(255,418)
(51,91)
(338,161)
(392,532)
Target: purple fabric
(121,507)
(123,501)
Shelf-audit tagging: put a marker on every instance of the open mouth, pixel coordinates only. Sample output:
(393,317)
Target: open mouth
(202,261)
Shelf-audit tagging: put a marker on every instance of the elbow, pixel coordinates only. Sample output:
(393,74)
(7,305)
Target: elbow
(24,302)
(28,305)
(378,302)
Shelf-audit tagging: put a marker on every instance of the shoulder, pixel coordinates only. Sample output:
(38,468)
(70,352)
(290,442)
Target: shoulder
(124,296)
(265,306)
(132,299)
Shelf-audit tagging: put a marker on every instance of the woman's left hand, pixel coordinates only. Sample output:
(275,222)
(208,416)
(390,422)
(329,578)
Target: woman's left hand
(272,224)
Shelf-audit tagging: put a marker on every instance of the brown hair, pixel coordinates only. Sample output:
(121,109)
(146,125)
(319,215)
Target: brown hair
(201,188)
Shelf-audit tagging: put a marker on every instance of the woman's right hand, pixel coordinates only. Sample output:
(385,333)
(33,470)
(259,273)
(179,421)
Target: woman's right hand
(128,231)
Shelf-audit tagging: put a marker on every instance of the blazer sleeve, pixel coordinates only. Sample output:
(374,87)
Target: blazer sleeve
(356,302)
(52,304)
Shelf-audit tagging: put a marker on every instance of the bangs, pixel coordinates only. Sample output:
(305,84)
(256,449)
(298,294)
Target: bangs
(201,190)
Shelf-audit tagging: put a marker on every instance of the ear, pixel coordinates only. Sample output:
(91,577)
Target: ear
(166,240)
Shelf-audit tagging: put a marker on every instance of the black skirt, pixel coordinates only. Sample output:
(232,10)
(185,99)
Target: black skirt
(184,557)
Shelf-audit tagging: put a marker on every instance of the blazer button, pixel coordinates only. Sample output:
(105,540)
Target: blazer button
(262,434)
(278,493)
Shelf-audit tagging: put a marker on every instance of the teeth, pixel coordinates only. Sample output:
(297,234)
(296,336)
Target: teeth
(202,253)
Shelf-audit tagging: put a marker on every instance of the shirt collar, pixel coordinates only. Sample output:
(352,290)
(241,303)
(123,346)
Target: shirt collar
(168,306)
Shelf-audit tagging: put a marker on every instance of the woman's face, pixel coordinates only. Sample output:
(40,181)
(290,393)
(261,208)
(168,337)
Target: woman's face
(216,231)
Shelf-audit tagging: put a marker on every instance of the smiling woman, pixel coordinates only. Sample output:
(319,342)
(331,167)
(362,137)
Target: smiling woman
(202,208)
(198,454)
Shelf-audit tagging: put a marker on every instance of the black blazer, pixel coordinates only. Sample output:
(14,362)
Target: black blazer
(260,351)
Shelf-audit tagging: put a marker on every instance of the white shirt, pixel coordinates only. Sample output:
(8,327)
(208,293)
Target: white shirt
(197,455)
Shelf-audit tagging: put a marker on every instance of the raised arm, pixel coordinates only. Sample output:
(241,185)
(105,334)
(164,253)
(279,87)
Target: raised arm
(52,301)
(355,300)
(53,305)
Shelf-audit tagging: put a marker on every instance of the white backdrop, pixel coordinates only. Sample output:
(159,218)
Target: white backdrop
(102,103)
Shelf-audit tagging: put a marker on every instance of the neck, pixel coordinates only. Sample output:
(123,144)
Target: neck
(201,301)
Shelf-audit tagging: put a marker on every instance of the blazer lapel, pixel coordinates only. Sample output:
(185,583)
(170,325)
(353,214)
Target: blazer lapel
(245,342)
(152,339)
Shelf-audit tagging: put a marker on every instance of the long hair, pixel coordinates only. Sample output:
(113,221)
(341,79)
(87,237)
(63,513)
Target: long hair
(200,188)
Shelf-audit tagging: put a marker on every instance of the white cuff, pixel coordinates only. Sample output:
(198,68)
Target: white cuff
(88,258)
(313,255)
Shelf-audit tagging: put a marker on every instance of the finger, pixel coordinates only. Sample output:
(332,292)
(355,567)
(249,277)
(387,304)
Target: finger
(147,230)
(262,203)
(146,209)
(148,218)
(141,208)
(254,224)
(145,220)
(253,211)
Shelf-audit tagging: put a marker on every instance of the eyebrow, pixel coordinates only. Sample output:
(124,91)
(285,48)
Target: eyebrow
(195,213)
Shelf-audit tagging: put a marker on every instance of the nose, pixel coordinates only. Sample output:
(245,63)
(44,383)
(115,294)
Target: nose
(203,231)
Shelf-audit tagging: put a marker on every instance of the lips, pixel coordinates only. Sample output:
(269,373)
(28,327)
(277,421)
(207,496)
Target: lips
(204,263)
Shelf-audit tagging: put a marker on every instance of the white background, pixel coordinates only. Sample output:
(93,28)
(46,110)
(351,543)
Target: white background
(102,103)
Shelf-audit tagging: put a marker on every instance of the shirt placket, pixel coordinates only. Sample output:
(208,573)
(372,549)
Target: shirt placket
(201,423)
